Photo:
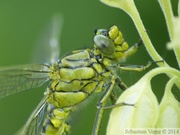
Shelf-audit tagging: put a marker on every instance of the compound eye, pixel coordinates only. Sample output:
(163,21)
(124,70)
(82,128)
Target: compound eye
(104,44)
(101,32)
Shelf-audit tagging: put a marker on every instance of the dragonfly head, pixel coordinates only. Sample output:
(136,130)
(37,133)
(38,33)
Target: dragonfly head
(110,43)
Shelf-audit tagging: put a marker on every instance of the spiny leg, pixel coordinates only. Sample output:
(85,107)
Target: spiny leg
(109,93)
(137,68)
(113,97)
(121,85)
(101,103)
(133,49)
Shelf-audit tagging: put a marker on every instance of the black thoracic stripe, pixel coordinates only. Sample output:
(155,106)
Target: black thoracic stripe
(103,71)
(93,90)
(93,66)
(72,81)
(76,60)
(88,84)
(80,90)
(74,67)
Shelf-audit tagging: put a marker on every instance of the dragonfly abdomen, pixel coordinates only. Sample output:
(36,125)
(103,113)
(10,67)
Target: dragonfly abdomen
(55,121)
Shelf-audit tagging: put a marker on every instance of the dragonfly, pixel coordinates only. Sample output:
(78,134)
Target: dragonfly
(72,79)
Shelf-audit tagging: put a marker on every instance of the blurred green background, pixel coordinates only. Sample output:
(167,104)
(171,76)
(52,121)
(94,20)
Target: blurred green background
(21,23)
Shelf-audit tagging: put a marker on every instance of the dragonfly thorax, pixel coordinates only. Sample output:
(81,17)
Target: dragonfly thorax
(79,74)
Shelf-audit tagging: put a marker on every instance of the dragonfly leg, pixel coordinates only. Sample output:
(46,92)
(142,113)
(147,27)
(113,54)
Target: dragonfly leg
(132,49)
(137,68)
(109,93)
(121,85)
(102,102)
(113,97)
(115,105)
(101,105)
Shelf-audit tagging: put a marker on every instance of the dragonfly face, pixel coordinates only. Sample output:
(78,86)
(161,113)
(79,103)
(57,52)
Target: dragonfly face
(72,80)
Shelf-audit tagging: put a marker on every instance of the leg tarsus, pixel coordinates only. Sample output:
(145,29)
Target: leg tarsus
(99,106)
(102,102)
(138,43)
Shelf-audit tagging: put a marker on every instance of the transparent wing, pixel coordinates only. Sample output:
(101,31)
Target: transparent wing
(19,78)
(34,124)
(48,48)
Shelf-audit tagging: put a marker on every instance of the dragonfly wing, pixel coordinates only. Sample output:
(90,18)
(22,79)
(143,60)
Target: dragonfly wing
(48,47)
(34,124)
(19,78)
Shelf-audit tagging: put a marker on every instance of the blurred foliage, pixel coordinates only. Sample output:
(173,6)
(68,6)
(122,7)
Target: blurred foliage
(21,24)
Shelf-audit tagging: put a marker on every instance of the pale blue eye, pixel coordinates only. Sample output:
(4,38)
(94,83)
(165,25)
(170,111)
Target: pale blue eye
(104,44)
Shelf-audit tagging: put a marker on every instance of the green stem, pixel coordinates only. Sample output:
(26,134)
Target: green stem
(179,8)
(168,70)
(167,11)
(132,11)
(170,84)
(169,17)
